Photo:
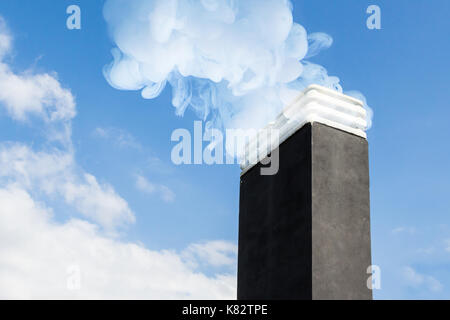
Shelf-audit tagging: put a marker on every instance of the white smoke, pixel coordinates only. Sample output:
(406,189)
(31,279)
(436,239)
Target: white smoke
(235,63)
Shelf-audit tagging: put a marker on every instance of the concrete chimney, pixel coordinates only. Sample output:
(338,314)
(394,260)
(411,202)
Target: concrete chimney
(304,232)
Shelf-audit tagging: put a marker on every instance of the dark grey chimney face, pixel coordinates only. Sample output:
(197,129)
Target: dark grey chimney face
(304,233)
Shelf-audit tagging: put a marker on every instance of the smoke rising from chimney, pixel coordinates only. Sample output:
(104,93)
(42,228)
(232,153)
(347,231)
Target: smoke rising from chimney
(235,63)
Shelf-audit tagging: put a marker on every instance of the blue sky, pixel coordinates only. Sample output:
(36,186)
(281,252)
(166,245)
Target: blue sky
(118,137)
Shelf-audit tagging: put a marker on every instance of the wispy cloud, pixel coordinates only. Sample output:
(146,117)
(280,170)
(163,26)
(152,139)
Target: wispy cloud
(447,245)
(156,165)
(164,192)
(416,279)
(119,137)
(426,251)
(404,230)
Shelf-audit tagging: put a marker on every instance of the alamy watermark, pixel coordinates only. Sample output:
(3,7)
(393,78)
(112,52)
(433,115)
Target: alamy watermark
(246,147)
(73,22)
(73,278)
(374,20)
(374,280)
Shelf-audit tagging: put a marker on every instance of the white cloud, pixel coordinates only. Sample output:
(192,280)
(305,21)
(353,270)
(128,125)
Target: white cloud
(215,253)
(156,165)
(41,95)
(164,192)
(26,95)
(39,257)
(36,254)
(426,251)
(416,279)
(119,137)
(99,202)
(5,38)
(54,173)
(144,185)
(447,245)
(408,230)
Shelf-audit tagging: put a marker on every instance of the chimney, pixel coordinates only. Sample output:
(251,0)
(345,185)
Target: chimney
(304,232)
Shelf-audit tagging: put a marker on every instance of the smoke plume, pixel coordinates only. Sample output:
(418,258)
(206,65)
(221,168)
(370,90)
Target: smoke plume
(235,63)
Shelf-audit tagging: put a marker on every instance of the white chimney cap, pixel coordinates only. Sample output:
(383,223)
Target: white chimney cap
(314,104)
